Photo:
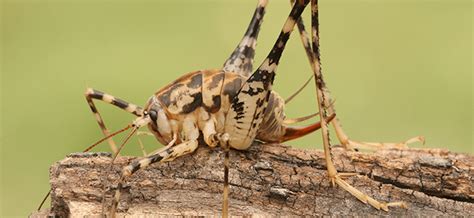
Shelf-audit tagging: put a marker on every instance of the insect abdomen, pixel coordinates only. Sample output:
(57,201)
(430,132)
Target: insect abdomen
(272,127)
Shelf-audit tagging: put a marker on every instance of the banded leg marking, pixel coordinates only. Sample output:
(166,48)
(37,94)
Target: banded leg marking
(92,94)
(247,107)
(334,176)
(307,47)
(190,136)
(169,145)
(336,123)
(241,59)
(168,154)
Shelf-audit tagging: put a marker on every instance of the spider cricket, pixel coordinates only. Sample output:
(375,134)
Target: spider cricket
(231,107)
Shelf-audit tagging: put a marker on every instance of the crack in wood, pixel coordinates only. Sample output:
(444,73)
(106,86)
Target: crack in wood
(296,184)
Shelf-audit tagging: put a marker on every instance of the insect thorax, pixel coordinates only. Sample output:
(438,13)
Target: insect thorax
(206,94)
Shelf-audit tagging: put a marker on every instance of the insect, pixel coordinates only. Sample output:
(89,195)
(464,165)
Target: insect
(231,107)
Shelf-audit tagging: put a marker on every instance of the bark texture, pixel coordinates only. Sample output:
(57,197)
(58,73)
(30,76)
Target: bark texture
(269,180)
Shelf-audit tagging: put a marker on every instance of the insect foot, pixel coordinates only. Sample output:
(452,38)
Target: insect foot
(192,185)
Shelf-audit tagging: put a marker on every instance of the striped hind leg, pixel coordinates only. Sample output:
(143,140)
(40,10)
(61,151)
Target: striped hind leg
(241,59)
(334,176)
(245,114)
(92,94)
(329,103)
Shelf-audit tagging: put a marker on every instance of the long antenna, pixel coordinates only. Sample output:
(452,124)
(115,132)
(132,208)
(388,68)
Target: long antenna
(107,137)
(86,150)
(112,163)
(124,142)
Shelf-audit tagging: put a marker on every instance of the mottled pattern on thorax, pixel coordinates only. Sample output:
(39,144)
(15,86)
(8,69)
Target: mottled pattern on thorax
(210,89)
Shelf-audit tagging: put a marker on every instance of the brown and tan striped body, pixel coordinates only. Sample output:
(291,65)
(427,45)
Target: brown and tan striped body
(229,107)
(207,94)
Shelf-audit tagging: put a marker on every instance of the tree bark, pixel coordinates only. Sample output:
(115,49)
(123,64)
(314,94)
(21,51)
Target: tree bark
(269,180)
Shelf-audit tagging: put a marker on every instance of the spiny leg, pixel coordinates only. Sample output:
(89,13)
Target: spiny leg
(341,135)
(86,150)
(190,134)
(334,176)
(241,59)
(307,47)
(304,36)
(247,107)
(168,154)
(169,145)
(142,147)
(92,94)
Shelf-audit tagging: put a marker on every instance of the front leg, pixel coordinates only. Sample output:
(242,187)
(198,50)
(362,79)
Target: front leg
(162,156)
(92,94)
(189,145)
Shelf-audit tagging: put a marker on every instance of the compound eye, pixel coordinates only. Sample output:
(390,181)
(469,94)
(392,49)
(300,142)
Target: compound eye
(153,115)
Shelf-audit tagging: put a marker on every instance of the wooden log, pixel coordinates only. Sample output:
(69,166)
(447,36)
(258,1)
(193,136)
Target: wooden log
(269,180)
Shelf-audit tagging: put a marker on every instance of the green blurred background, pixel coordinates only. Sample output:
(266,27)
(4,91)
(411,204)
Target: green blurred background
(396,68)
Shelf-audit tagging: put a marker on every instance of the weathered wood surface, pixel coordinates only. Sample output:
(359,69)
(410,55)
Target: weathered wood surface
(271,180)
